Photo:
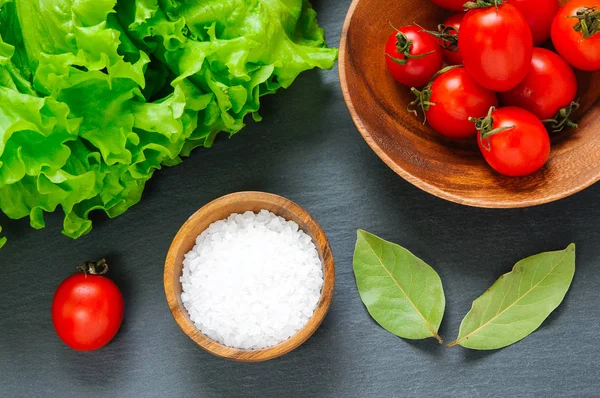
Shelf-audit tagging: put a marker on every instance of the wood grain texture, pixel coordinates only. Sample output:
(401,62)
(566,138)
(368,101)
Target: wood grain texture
(217,210)
(452,170)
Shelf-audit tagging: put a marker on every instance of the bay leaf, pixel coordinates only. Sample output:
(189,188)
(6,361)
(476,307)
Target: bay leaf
(519,302)
(401,292)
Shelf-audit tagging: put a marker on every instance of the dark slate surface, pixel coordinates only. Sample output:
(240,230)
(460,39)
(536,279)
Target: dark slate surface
(308,150)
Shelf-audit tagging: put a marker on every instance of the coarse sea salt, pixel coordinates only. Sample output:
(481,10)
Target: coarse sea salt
(252,280)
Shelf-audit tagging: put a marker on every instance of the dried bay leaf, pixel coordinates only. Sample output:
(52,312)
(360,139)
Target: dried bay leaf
(517,304)
(401,292)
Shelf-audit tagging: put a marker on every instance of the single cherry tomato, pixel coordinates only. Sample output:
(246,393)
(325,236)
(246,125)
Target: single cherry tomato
(513,141)
(447,35)
(576,34)
(452,5)
(496,45)
(413,56)
(539,15)
(451,99)
(87,309)
(548,91)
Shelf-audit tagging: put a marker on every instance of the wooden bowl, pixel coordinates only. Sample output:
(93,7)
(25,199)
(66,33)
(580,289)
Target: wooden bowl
(453,170)
(217,210)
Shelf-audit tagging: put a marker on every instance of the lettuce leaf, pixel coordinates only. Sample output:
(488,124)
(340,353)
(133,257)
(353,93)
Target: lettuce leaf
(96,95)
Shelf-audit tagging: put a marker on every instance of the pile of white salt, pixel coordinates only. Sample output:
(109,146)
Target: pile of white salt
(252,280)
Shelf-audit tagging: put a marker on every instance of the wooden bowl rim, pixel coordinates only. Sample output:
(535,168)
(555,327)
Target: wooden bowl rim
(416,181)
(179,312)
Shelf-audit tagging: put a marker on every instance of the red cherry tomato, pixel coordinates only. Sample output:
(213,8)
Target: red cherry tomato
(452,25)
(539,15)
(496,46)
(452,5)
(576,34)
(451,99)
(413,56)
(513,141)
(447,35)
(87,311)
(549,87)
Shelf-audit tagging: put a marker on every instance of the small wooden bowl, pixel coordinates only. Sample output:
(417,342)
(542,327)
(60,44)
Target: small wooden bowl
(453,170)
(217,210)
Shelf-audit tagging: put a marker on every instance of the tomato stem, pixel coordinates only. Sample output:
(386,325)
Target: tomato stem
(589,21)
(422,102)
(93,267)
(485,126)
(448,36)
(471,5)
(403,46)
(562,118)
(444,70)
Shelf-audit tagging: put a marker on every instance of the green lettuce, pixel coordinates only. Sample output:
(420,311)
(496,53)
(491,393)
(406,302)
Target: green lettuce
(95,95)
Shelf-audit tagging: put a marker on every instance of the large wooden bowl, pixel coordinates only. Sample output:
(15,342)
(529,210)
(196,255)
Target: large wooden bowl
(217,210)
(453,170)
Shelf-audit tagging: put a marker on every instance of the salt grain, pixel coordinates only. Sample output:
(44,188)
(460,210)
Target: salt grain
(252,280)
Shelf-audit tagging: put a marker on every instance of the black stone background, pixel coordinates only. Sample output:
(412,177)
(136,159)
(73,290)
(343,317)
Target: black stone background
(306,149)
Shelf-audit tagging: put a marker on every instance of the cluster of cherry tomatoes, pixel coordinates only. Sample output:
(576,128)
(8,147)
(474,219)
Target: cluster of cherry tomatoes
(491,59)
